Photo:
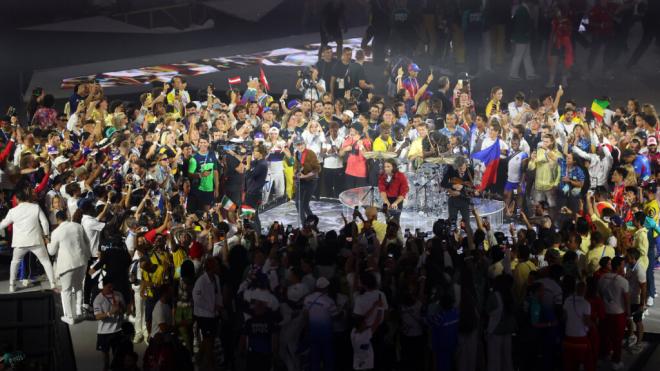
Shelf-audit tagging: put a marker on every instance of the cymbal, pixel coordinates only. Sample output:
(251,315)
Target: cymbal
(379,155)
(440,160)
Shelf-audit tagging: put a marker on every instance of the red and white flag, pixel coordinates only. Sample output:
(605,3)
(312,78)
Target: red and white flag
(263,79)
(234,80)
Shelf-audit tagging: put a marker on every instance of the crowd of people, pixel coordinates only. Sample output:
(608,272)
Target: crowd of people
(144,216)
(478,35)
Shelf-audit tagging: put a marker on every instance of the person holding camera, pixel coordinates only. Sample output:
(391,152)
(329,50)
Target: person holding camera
(255,179)
(310,84)
(307,170)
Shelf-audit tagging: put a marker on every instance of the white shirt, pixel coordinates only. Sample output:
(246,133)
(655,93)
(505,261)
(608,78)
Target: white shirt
(30,225)
(162,314)
(488,141)
(515,110)
(635,276)
(333,161)
(92,228)
(362,303)
(314,93)
(576,308)
(206,296)
(598,168)
(320,309)
(103,304)
(71,245)
(363,352)
(314,141)
(514,173)
(611,287)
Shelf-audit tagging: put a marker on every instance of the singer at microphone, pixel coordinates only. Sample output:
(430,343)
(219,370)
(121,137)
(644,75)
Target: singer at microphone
(393,187)
(307,170)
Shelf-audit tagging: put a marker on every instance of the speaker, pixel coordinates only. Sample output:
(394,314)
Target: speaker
(30,322)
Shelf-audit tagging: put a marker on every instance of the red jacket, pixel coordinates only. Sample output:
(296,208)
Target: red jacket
(398,186)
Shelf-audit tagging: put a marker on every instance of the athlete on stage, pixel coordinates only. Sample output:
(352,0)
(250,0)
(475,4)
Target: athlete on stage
(393,188)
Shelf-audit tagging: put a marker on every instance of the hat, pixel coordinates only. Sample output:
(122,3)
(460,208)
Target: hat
(216,106)
(298,140)
(294,103)
(651,141)
(413,68)
(60,160)
(295,293)
(322,283)
(616,220)
(273,130)
(52,150)
(266,109)
(348,113)
(259,137)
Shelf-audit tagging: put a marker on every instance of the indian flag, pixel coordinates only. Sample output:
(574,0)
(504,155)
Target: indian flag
(598,107)
(227,203)
(247,210)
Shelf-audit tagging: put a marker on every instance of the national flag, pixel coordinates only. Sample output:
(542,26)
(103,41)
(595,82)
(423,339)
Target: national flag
(247,210)
(490,157)
(234,80)
(263,79)
(227,203)
(598,107)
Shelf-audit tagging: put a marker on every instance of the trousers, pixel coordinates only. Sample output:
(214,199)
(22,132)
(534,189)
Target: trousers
(276,173)
(307,188)
(140,322)
(72,291)
(40,252)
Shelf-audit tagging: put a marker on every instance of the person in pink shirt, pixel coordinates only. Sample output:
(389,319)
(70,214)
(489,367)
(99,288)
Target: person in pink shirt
(354,147)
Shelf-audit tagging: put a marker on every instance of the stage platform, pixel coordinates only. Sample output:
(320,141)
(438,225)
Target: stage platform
(329,212)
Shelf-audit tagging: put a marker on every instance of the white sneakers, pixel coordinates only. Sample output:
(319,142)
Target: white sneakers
(68,320)
(12,289)
(650,301)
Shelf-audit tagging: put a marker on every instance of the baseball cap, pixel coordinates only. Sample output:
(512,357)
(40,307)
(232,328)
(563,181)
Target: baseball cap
(52,150)
(266,109)
(259,137)
(274,130)
(298,140)
(60,160)
(349,113)
(293,104)
(651,141)
(413,67)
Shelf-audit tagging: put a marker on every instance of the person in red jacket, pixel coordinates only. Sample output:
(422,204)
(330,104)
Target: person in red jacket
(393,188)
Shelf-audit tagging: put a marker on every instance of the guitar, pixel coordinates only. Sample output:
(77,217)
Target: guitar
(468,189)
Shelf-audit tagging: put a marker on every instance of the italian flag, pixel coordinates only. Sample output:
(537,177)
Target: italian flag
(598,107)
(228,204)
(247,210)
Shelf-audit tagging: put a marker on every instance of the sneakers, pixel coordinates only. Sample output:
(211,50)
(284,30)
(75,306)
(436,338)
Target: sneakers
(617,366)
(68,320)
(650,301)
(12,289)
(138,338)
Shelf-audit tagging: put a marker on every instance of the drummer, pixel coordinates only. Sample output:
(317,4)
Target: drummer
(421,147)
(393,187)
(383,144)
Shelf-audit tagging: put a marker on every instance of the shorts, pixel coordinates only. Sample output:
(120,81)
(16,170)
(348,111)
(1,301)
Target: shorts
(637,312)
(510,186)
(105,342)
(549,196)
(207,326)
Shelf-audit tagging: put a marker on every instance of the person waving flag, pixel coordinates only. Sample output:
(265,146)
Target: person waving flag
(490,157)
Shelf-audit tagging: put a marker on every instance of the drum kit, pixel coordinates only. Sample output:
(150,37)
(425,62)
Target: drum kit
(424,177)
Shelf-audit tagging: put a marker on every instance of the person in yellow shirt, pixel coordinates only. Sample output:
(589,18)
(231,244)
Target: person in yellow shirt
(641,239)
(379,227)
(494,105)
(521,274)
(546,163)
(178,97)
(384,142)
(598,251)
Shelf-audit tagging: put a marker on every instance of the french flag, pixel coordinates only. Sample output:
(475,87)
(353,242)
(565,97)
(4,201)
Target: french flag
(490,157)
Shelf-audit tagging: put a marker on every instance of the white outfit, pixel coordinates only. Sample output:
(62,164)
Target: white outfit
(71,245)
(207,295)
(92,228)
(30,225)
(611,287)
(276,168)
(599,168)
(575,309)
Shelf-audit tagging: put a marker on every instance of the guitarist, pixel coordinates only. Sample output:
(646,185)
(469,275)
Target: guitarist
(458,183)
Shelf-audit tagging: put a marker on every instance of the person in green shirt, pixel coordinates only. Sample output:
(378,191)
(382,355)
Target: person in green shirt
(203,171)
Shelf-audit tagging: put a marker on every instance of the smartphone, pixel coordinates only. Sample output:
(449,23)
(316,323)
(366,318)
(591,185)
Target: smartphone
(285,92)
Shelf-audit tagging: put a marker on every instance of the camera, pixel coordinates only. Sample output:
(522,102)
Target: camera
(222,146)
